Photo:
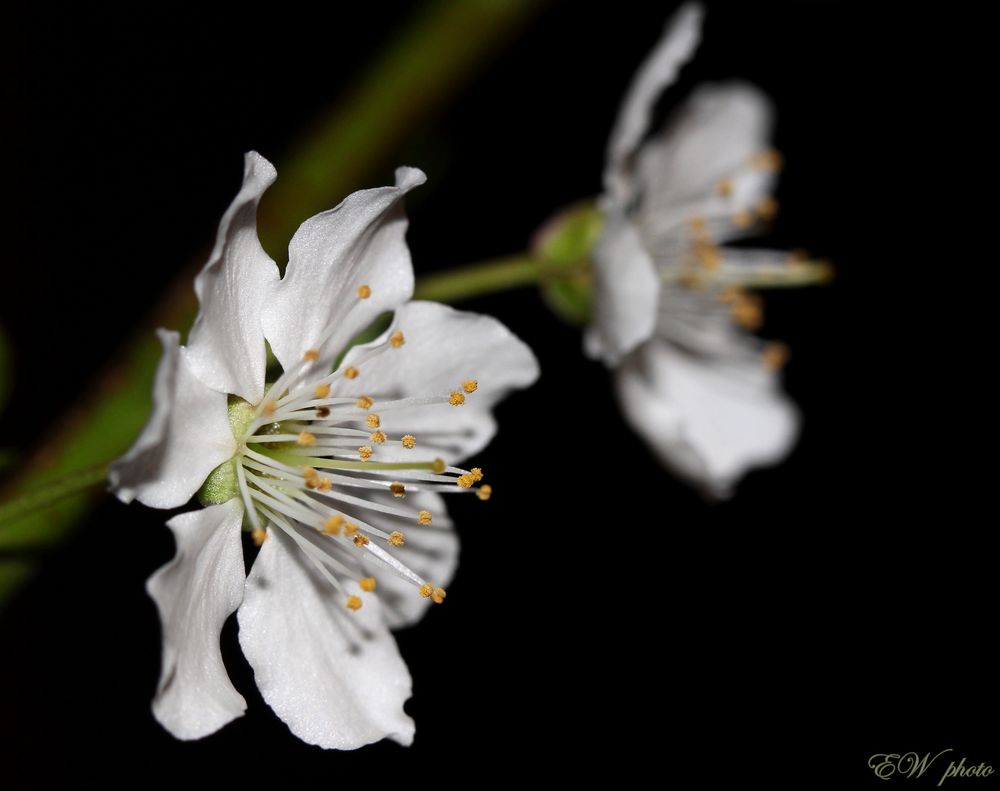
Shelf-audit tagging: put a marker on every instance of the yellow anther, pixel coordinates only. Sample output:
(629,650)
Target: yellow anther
(350,529)
(397,339)
(365,402)
(364,292)
(397,489)
(767,208)
(367,584)
(725,187)
(769,160)
(470,385)
(269,408)
(484,492)
(324,485)
(437,596)
(365,452)
(310,475)
(457,398)
(259,535)
(797,257)
(332,524)
(311,355)
(322,391)
(426,590)
(438,466)
(322,411)
(476,473)
(373,420)
(312,483)
(424,518)
(408,441)
(775,356)
(698,228)
(743,219)
(305,438)
(465,481)
(748,310)
(396,538)
(354,603)
(378,437)
(360,539)
(351,372)
(707,255)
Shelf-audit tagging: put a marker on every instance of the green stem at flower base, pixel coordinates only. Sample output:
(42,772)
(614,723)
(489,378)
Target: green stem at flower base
(476,280)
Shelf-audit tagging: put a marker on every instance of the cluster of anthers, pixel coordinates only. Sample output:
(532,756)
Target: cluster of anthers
(308,464)
(705,268)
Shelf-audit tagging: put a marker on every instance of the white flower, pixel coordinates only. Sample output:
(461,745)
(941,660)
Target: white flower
(670,308)
(337,470)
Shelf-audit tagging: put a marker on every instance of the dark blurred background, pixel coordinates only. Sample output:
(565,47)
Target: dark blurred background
(604,615)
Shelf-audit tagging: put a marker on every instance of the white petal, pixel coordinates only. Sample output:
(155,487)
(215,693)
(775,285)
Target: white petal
(710,420)
(626,292)
(656,73)
(430,550)
(444,347)
(361,242)
(195,593)
(187,436)
(712,137)
(226,344)
(334,676)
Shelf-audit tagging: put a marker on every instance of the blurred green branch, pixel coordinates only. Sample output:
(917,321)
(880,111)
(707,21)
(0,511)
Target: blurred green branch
(432,57)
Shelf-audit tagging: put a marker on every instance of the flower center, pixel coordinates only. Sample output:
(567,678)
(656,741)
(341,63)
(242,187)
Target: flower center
(324,468)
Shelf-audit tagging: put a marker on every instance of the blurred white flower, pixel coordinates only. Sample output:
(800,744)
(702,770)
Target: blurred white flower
(336,468)
(670,309)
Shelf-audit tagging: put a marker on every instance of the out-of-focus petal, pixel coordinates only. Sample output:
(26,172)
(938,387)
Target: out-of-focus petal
(334,676)
(187,436)
(226,344)
(360,244)
(627,288)
(195,593)
(711,420)
(656,73)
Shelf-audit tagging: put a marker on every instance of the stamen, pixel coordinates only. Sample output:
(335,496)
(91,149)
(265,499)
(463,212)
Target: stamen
(767,208)
(367,584)
(305,438)
(365,402)
(269,408)
(378,437)
(350,529)
(476,473)
(775,356)
(322,390)
(322,411)
(725,187)
(465,480)
(354,603)
(769,160)
(457,398)
(484,492)
(365,452)
(397,489)
(373,420)
(438,466)
(743,219)
(259,535)
(333,524)
(426,590)
(470,385)
(360,539)
(397,339)
(424,518)
(351,372)
(408,441)
(324,485)
(311,355)
(396,539)
(438,595)
(364,292)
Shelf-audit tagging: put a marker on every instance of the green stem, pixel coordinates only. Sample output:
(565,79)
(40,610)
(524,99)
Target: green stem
(49,495)
(475,280)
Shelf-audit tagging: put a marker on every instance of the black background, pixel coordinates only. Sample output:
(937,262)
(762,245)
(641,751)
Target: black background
(839,606)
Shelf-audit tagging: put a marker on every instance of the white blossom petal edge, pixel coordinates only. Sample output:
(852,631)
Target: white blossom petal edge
(670,308)
(337,467)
